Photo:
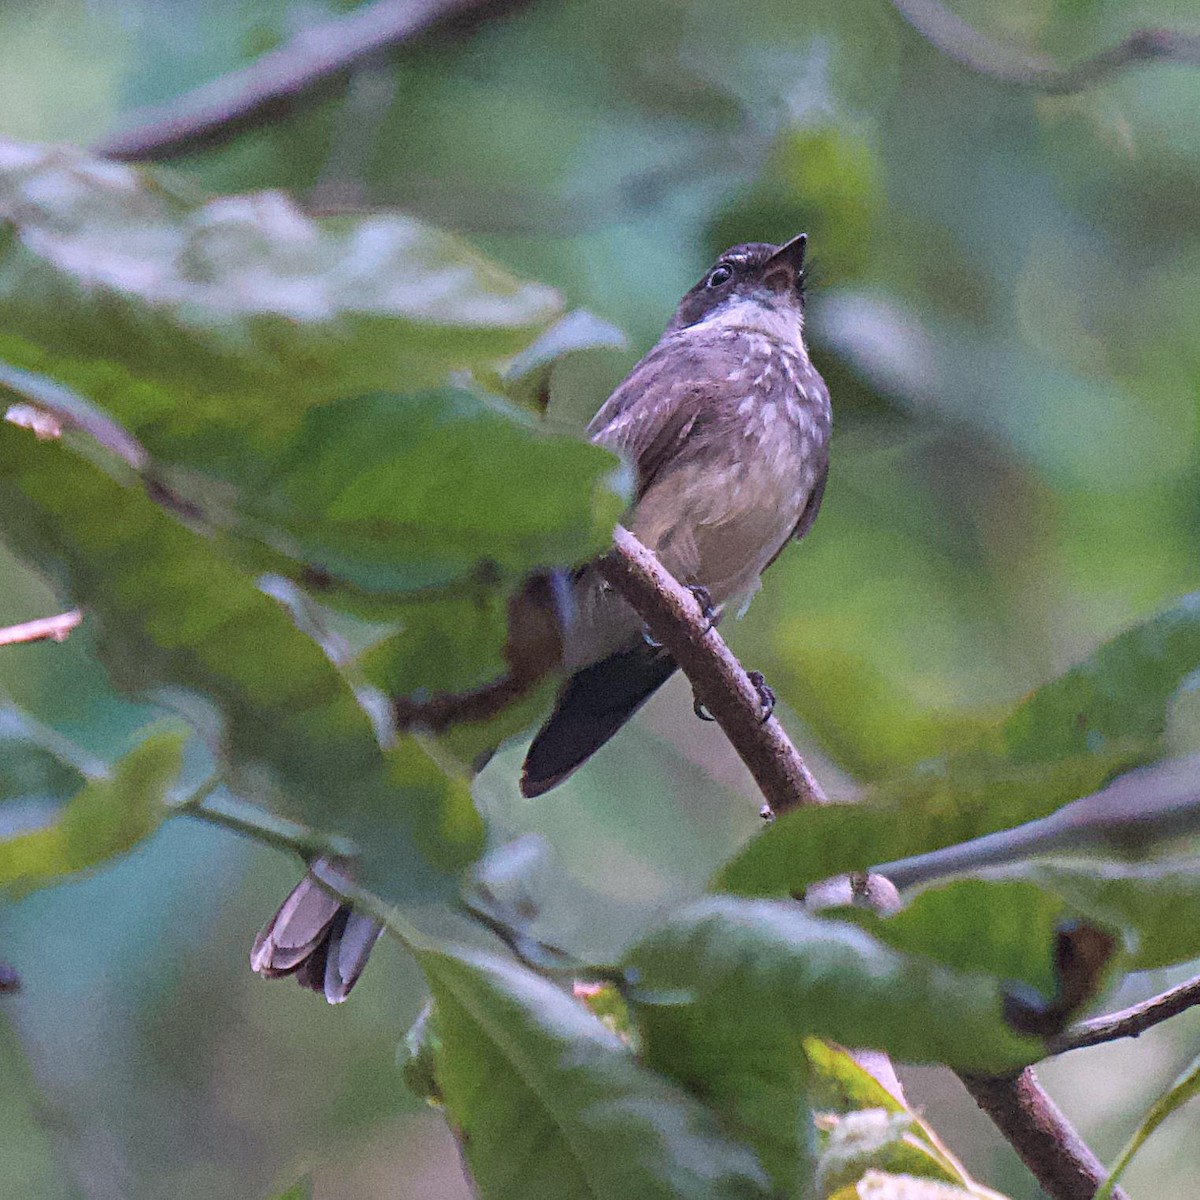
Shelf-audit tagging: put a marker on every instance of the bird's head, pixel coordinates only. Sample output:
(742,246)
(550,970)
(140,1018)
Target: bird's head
(755,285)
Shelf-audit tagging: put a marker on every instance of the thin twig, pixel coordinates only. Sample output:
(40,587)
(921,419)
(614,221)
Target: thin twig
(673,617)
(1130,1022)
(263,827)
(1035,1127)
(316,59)
(44,629)
(961,41)
(440,711)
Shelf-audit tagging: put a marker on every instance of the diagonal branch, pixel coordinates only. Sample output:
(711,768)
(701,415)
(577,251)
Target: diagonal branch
(274,84)
(1022,1111)
(44,629)
(961,41)
(1037,1130)
(1130,1022)
(674,619)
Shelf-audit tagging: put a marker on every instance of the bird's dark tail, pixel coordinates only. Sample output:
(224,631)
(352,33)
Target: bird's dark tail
(593,704)
(320,941)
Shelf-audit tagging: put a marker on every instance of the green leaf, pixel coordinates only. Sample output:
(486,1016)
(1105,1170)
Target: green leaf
(722,969)
(873,1139)
(1185,1088)
(840,1085)
(1156,903)
(1103,716)
(527,379)
(1118,697)
(946,804)
(1004,924)
(106,817)
(36,765)
(417,490)
(1002,929)
(422,1045)
(230,318)
(426,508)
(174,609)
(551,1104)
(756,1079)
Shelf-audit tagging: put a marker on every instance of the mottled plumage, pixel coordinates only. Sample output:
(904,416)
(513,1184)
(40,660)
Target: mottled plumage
(727,423)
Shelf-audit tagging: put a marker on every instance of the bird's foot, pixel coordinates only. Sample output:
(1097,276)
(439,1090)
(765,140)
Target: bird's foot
(699,709)
(704,599)
(766,697)
(650,639)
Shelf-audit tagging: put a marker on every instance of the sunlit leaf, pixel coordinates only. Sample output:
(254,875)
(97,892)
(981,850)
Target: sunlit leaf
(840,1085)
(872,1139)
(107,816)
(879,1185)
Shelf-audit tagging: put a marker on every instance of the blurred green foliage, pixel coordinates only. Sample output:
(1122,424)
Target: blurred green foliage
(1004,297)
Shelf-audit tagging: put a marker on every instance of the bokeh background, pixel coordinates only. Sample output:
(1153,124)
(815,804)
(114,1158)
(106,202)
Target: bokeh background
(1005,300)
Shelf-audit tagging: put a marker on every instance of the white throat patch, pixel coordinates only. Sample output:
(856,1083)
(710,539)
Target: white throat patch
(779,321)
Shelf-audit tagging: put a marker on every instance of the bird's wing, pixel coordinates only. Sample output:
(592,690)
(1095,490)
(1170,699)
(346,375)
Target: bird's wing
(655,410)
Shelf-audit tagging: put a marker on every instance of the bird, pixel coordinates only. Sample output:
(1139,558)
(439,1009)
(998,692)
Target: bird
(727,425)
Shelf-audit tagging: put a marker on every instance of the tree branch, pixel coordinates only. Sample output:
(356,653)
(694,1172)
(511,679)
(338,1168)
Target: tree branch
(1036,1128)
(1022,1111)
(44,629)
(1130,1022)
(957,39)
(673,617)
(274,84)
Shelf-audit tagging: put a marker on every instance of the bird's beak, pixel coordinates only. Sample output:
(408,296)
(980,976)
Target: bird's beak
(786,266)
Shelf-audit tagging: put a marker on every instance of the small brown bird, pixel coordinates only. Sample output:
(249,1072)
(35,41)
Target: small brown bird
(727,424)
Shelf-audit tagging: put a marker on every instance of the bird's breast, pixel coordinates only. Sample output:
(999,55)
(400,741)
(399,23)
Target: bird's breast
(737,489)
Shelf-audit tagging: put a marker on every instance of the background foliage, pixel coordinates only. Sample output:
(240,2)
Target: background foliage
(1005,293)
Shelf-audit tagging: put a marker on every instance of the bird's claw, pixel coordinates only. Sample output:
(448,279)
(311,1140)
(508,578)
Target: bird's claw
(704,600)
(766,696)
(700,711)
(650,639)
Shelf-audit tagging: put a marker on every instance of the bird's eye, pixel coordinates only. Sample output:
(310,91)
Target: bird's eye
(721,273)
